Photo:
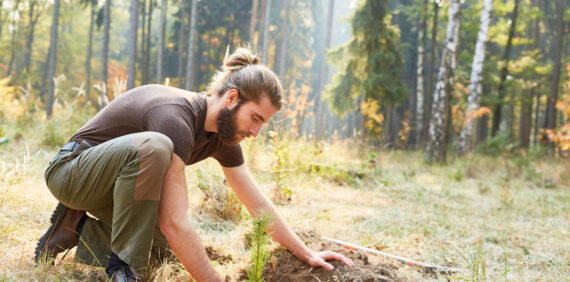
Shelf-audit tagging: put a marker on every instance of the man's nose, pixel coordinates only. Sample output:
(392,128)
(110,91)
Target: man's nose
(255,130)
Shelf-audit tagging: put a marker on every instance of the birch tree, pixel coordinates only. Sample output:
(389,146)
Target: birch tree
(132,45)
(437,143)
(52,58)
(193,17)
(474,100)
(420,77)
(429,88)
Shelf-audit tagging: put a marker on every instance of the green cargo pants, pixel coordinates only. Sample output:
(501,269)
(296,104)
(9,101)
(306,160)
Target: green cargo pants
(119,183)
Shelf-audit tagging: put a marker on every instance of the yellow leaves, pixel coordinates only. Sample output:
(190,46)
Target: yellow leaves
(11,108)
(562,135)
(374,119)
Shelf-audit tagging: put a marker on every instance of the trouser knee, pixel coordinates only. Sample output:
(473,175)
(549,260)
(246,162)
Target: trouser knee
(155,149)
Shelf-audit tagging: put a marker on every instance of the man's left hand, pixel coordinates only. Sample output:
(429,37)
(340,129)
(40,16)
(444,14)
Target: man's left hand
(319,259)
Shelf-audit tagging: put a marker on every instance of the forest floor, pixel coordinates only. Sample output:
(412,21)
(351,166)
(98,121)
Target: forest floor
(496,218)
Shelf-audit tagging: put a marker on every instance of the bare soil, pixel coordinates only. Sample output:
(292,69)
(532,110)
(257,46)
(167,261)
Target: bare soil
(284,266)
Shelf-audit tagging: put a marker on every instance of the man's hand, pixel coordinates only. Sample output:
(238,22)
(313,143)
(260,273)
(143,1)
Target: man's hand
(319,259)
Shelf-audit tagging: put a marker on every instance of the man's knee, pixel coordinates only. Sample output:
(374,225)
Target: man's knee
(155,148)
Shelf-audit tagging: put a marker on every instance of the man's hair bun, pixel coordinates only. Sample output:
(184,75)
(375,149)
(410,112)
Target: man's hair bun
(240,58)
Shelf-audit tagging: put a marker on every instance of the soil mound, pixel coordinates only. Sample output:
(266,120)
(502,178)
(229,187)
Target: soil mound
(284,266)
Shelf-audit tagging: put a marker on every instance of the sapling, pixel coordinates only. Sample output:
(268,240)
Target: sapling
(258,243)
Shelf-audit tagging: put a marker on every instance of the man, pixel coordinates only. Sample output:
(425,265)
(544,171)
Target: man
(126,167)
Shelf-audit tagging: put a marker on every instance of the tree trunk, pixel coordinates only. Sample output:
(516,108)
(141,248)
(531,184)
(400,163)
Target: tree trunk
(283,41)
(141,58)
(146,55)
(504,72)
(482,128)
(1,21)
(193,16)
(160,47)
(261,25)
(526,119)
(33,20)
(52,58)
(264,55)
(558,43)
(437,144)
(474,100)
(422,26)
(105,53)
(252,23)
(319,105)
(89,54)
(429,98)
(132,44)
(181,44)
(536,119)
(13,41)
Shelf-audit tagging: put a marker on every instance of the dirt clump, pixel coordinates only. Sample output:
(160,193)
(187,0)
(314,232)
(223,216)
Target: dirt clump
(284,266)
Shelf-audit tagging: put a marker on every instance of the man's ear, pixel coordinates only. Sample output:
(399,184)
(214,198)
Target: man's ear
(232,97)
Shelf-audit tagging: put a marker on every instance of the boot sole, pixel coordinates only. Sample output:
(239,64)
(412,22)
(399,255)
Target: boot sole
(55,220)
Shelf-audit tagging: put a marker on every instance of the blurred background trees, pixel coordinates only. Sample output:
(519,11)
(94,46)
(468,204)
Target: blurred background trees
(350,69)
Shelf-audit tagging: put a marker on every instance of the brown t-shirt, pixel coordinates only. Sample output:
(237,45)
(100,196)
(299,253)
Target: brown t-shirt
(176,113)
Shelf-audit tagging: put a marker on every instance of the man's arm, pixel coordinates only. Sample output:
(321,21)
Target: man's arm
(258,205)
(176,227)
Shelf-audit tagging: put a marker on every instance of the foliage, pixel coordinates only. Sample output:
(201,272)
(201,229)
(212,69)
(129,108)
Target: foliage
(297,107)
(496,145)
(370,109)
(11,108)
(280,167)
(219,200)
(562,135)
(259,253)
(369,64)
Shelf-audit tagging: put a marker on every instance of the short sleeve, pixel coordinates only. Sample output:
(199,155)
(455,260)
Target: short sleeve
(163,119)
(229,156)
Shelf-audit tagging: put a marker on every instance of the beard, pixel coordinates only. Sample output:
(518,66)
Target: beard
(227,126)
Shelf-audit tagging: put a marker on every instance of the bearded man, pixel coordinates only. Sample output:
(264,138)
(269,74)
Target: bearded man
(126,168)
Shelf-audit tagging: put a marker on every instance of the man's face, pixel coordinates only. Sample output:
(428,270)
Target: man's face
(239,120)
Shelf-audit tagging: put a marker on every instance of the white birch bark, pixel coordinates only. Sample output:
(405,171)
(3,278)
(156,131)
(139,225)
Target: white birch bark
(474,100)
(191,44)
(420,82)
(437,144)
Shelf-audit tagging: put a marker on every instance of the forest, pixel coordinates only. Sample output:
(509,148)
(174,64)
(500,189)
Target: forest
(435,130)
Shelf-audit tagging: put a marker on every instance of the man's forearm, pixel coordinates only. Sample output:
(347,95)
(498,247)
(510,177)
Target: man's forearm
(174,224)
(186,245)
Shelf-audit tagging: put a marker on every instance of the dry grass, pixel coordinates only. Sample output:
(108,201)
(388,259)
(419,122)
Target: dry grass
(496,218)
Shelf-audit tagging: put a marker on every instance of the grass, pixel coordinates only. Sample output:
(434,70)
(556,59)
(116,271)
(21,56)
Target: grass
(499,218)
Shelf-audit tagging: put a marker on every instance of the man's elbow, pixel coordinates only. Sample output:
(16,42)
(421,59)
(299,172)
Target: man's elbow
(169,226)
